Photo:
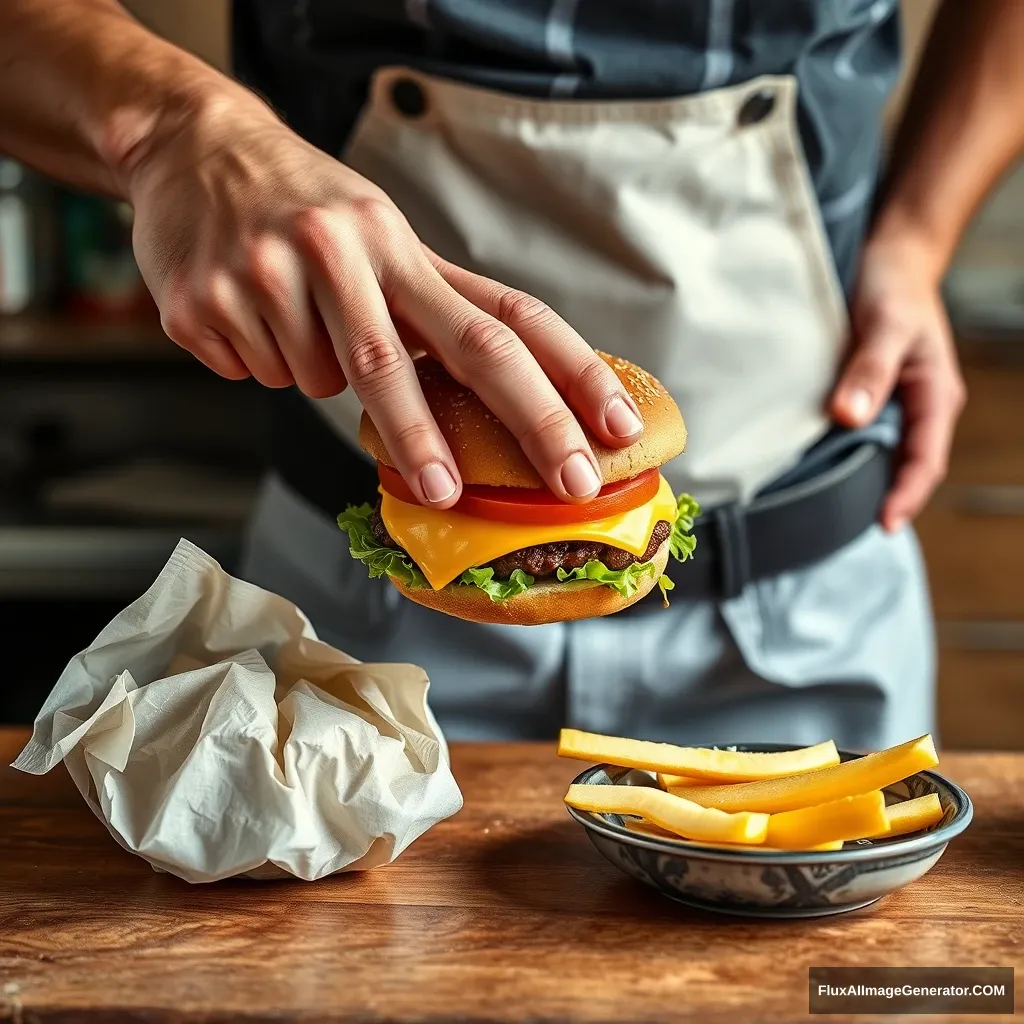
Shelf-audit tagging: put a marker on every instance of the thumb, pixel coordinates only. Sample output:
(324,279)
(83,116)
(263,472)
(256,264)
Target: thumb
(870,377)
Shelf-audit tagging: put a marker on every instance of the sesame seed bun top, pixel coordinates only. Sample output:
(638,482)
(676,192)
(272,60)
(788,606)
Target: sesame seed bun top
(488,454)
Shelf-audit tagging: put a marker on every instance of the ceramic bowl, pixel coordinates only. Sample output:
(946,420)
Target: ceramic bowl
(761,883)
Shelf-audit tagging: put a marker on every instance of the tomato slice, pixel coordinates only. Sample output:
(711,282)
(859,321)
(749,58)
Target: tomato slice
(536,506)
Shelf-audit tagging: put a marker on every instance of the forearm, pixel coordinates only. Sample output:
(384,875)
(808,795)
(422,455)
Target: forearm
(963,127)
(84,89)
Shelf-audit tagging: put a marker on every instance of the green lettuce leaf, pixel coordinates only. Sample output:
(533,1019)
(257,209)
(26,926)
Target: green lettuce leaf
(624,581)
(497,590)
(681,542)
(381,561)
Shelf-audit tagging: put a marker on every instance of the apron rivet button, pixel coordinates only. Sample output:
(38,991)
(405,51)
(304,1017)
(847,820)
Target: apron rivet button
(757,107)
(408,98)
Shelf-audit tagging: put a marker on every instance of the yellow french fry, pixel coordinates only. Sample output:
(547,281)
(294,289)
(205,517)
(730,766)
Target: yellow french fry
(694,762)
(904,817)
(650,829)
(863,775)
(670,812)
(850,817)
(678,781)
(911,816)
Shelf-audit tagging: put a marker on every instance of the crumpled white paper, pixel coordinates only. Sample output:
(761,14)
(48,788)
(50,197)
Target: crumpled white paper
(214,735)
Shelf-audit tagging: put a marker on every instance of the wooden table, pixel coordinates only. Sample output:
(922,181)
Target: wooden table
(503,913)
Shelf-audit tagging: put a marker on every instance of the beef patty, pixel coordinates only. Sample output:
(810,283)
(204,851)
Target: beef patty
(543,560)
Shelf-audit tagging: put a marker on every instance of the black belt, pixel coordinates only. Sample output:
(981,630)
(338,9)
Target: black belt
(736,544)
(784,531)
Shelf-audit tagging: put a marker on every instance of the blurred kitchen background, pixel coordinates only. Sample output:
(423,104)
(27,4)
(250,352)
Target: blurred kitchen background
(114,443)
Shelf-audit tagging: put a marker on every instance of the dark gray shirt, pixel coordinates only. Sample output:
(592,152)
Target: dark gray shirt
(312,60)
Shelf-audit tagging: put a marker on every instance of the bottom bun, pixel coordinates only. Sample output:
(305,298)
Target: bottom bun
(542,603)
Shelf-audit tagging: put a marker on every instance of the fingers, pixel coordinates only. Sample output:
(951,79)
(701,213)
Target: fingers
(580,375)
(216,352)
(377,365)
(933,395)
(214,312)
(486,355)
(870,376)
(185,327)
(920,360)
(314,306)
(277,282)
(257,321)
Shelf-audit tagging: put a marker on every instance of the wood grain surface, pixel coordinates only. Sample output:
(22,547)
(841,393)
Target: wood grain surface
(503,913)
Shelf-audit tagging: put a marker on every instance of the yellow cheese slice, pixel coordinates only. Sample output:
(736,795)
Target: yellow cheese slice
(444,544)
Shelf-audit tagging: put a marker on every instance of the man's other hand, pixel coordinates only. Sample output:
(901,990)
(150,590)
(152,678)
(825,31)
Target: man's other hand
(902,341)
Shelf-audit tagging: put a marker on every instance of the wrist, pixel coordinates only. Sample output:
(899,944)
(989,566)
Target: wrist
(901,236)
(140,139)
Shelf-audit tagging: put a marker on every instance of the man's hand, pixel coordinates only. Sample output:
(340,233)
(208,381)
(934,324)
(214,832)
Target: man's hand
(902,339)
(963,126)
(268,257)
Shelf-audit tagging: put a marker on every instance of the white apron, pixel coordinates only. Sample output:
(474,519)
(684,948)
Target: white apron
(666,231)
(683,234)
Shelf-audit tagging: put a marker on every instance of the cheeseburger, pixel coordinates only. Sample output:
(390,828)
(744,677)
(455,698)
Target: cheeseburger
(510,551)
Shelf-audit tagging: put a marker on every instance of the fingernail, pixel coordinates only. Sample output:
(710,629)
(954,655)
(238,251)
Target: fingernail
(437,482)
(858,405)
(621,420)
(897,524)
(578,476)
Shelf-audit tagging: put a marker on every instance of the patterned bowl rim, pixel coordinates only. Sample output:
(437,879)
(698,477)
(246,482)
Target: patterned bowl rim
(914,843)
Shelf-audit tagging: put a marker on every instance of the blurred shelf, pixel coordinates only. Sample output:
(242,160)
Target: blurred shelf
(151,492)
(989,349)
(972,536)
(93,563)
(984,289)
(54,338)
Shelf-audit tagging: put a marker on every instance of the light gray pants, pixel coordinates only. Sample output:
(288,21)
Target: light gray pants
(844,650)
